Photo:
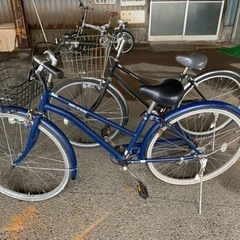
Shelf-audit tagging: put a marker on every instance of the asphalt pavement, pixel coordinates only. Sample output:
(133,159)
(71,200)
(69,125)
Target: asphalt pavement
(103,204)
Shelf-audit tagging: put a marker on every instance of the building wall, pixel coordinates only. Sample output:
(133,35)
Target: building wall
(60,16)
(5,12)
(236,30)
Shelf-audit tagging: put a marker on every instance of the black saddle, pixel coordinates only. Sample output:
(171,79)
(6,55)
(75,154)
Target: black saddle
(166,94)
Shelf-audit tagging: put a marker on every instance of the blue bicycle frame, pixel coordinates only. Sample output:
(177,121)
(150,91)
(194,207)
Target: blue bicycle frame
(132,149)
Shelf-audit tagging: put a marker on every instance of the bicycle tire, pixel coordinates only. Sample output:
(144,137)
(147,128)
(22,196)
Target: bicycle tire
(43,173)
(221,148)
(220,85)
(84,92)
(128,45)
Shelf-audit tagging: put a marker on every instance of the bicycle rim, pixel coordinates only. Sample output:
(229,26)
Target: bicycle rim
(43,173)
(220,148)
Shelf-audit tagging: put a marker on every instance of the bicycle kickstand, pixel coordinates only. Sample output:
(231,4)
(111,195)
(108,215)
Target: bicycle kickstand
(141,188)
(203,163)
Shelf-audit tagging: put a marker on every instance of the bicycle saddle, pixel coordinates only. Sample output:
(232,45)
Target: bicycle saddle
(111,14)
(167,94)
(194,60)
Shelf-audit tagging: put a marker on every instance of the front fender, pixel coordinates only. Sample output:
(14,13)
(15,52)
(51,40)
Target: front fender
(60,135)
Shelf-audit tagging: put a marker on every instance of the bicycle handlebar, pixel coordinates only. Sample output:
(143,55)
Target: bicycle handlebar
(82,43)
(81,5)
(67,40)
(50,68)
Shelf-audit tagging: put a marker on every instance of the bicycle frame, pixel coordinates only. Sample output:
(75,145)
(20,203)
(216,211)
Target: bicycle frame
(125,85)
(80,124)
(100,28)
(126,156)
(134,151)
(132,91)
(85,13)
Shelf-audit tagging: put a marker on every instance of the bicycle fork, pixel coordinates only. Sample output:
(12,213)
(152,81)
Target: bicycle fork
(33,136)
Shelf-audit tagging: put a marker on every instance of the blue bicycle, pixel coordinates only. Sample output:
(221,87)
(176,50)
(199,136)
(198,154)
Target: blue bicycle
(187,145)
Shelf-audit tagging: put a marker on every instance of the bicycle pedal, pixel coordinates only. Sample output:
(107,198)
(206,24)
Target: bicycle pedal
(142,190)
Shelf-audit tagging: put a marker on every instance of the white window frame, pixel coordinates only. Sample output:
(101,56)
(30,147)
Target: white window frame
(184,37)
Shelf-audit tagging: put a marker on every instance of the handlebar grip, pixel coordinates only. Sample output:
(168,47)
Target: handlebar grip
(53,70)
(50,68)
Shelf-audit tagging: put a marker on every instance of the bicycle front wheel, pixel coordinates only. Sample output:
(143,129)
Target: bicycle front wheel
(220,148)
(128,45)
(84,92)
(43,173)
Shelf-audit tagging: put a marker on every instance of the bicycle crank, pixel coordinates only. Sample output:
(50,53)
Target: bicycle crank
(141,188)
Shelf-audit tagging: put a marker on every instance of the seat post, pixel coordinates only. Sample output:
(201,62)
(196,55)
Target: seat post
(151,107)
(185,70)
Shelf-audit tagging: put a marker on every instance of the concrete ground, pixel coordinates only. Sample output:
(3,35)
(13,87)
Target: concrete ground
(103,204)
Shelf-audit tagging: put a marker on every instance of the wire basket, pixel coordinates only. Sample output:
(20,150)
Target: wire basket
(87,61)
(16,89)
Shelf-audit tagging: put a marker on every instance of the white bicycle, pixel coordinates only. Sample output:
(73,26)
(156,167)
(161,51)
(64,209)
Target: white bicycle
(106,36)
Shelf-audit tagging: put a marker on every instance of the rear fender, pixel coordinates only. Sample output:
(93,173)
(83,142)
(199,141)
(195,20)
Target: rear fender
(180,111)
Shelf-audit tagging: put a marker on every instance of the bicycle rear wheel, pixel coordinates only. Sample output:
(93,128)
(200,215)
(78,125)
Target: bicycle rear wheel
(220,85)
(43,173)
(221,148)
(84,92)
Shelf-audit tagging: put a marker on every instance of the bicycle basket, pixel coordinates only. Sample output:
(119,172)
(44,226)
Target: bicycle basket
(86,61)
(15,87)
